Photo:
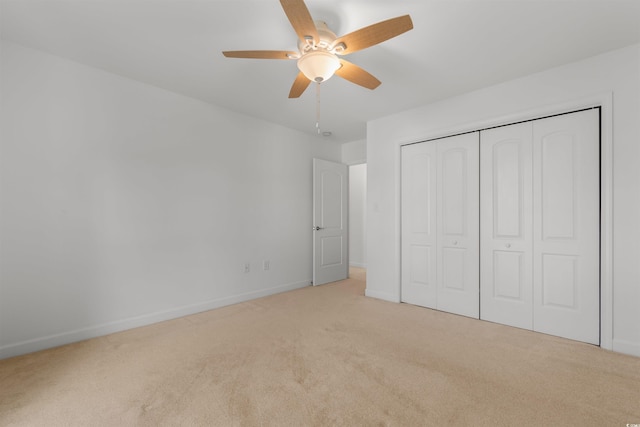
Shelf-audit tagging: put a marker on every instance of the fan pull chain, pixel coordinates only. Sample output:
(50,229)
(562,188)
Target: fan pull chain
(318,107)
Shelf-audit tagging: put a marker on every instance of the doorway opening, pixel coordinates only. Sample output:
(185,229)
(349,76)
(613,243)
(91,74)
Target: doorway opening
(357,219)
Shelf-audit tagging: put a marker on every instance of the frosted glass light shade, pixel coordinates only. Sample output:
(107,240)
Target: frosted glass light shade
(318,66)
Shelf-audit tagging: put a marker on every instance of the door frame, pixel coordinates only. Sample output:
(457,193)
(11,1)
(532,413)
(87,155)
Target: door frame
(604,101)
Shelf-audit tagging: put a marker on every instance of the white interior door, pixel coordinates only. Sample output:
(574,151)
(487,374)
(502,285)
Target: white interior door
(566,230)
(418,234)
(458,209)
(506,247)
(330,222)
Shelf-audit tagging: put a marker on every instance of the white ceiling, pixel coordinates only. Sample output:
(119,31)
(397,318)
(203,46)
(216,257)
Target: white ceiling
(455,47)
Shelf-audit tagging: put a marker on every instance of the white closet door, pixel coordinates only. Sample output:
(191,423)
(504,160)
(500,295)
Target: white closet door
(566,226)
(458,225)
(505,225)
(419,224)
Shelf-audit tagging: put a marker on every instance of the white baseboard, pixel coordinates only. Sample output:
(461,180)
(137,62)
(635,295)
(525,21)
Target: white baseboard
(381,295)
(626,347)
(357,264)
(69,337)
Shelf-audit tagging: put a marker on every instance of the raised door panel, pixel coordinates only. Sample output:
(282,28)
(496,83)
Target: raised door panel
(505,225)
(418,284)
(458,225)
(566,226)
(332,207)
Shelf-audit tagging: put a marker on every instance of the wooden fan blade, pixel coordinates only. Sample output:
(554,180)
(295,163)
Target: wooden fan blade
(300,19)
(374,34)
(357,75)
(261,54)
(299,85)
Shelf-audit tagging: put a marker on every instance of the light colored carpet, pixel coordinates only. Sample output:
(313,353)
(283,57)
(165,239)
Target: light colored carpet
(323,355)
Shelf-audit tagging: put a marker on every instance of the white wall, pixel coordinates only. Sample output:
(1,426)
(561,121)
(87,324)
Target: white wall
(615,73)
(354,152)
(357,208)
(123,204)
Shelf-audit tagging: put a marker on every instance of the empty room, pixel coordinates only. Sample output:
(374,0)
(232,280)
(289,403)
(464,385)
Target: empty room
(319,212)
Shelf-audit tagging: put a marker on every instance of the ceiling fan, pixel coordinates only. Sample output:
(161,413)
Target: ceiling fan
(319,48)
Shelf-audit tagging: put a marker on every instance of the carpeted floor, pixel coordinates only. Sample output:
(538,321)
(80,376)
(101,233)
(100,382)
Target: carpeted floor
(320,356)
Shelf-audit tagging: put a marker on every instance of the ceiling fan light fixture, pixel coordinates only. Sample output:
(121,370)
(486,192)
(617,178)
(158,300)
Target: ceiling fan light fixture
(318,65)
(318,48)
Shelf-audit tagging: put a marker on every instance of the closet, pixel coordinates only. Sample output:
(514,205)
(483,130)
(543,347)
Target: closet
(507,219)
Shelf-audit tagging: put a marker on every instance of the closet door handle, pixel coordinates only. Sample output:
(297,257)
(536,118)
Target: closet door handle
(508,245)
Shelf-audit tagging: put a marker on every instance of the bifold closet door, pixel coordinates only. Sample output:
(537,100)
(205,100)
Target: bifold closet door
(566,226)
(440,224)
(418,182)
(506,246)
(540,229)
(458,258)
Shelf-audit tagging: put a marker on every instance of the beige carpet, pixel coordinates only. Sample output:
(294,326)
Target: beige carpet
(322,355)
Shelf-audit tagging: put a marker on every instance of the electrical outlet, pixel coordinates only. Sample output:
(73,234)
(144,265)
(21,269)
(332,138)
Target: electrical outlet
(266,265)
(247,267)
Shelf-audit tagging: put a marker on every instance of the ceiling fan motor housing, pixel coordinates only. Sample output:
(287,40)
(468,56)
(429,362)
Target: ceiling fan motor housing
(318,61)
(326,39)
